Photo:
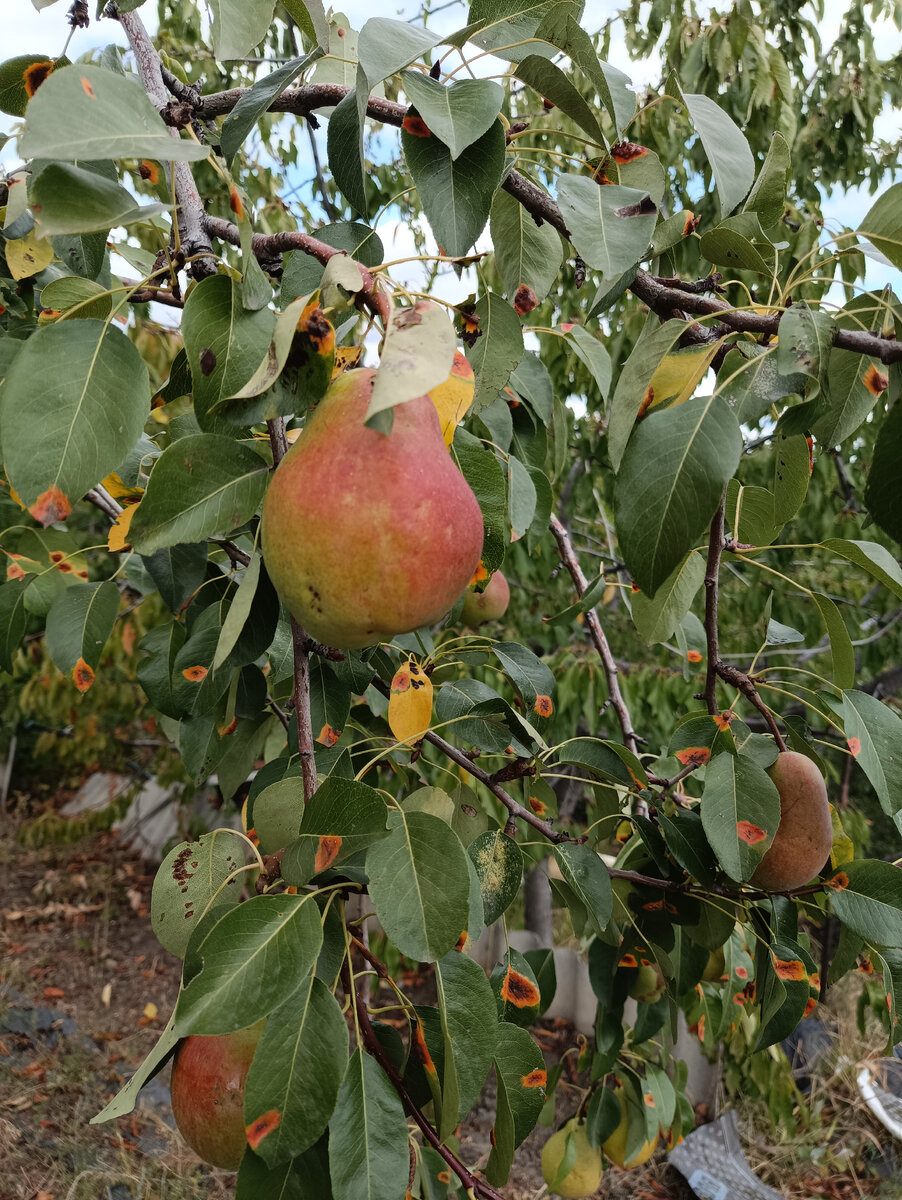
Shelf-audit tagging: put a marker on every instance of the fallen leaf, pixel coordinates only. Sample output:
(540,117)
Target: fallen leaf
(106,995)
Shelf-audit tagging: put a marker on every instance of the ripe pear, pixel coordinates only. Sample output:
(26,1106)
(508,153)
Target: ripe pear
(365,534)
(805,834)
(207,1089)
(585,1174)
(615,1146)
(480,607)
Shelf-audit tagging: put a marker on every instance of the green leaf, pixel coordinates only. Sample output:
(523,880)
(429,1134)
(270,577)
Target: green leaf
(13,621)
(386,45)
(871,557)
(84,385)
(13,94)
(86,112)
(750,514)
(525,253)
(740,812)
(806,336)
(590,350)
(601,758)
(304,1178)
(586,874)
(552,84)
(257,99)
(72,291)
(470,1029)
(739,242)
(342,818)
(611,226)
(458,114)
(874,735)
(520,1071)
(225,344)
(238,26)
(562,29)
(155,672)
(731,160)
(254,958)
(522,497)
(200,486)
(516,989)
(368,1156)
(484,474)
(127,1097)
(792,472)
(840,642)
(499,865)
(66,199)
(882,491)
(532,383)
(883,224)
(278,810)
(655,341)
(296,1073)
(417,355)
(330,703)
(657,618)
(311,17)
(302,274)
(178,572)
(867,896)
(660,514)
(456,193)
(194,877)
(752,381)
(344,144)
(419,885)
(78,627)
(768,196)
(497,351)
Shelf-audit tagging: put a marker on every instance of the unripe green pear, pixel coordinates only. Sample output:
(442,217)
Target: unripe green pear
(649,985)
(615,1146)
(488,605)
(365,534)
(805,834)
(585,1174)
(715,966)
(207,1089)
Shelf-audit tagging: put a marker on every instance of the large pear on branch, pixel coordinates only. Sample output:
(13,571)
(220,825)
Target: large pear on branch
(365,534)
(802,842)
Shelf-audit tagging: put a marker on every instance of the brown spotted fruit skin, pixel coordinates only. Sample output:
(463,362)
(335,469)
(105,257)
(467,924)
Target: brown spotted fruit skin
(207,1089)
(803,840)
(367,535)
(489,605)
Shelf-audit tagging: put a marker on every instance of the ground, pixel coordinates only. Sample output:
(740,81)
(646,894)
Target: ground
(85,991)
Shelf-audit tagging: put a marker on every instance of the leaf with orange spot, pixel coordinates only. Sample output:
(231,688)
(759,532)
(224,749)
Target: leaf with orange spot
(346,357)
(87,89)
(648,1100)
(327,851)
(421,1050)
(519,990)
(453,398)
(82,675)
(410,703)
(628,960)
(444,1176)
(537,806)
(50,507)
(695,756)
(228,728)
(694,656)
(417,126)
(723,720)
(462,941)
(262,1126)
(792,969)
(328,736)
(749,833)
(543,706)
(196,673)
(839,882)
(78,627)
(536,1079)
(875,380)
(854,745)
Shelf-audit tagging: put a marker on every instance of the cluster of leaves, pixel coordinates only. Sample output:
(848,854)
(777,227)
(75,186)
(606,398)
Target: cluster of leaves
(181,464)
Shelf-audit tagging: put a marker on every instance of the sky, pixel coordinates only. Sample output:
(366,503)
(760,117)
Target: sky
(30,31)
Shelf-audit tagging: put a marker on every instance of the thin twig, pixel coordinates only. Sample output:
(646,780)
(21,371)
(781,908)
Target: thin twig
(744,684)
(570,561)
(712,571)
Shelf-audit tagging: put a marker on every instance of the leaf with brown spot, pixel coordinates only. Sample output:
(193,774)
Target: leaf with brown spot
(51,506)
(328,850)
(518,990)
(751,834)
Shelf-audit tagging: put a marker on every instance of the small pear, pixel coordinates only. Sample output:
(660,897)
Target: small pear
(365,534)
(615,1146)
(489,605)
(585,1174)
(803,840)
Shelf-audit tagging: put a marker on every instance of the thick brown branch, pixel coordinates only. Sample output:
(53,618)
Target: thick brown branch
(471,1183)
(195,243)
(712,572)
(597,634)
(270,246)
(299,641)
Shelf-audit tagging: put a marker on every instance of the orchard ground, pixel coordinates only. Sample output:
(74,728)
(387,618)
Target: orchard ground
(87,980)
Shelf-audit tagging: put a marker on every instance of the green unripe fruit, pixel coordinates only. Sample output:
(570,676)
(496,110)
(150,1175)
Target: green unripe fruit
(585,1174)
(489,605)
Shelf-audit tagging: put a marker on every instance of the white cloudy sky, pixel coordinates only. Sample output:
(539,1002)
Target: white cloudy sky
(29,31)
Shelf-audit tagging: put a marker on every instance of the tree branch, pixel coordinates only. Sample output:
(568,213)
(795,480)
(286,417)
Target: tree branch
(744,684)
(195,243)
(472,1184)
(597,634)
(300,642)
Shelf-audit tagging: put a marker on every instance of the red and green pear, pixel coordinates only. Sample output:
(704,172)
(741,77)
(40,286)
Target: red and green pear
(365,534)
(804,837)
(207,1088)
(489,605)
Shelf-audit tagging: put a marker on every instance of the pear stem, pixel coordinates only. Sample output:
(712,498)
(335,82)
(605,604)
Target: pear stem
(300,641)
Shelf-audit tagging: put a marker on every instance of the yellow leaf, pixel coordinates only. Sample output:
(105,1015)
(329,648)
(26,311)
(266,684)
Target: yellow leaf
(345,358)
(150,1011)
(119,490)
(410,703)
(118,536)
(28,255)
(453,397)
(679,374)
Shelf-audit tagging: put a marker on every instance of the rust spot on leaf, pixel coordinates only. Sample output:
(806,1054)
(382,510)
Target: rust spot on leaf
(14,571)
(537,806)
(444,1176)
(525,300)
(644,208)
(227,730)
(416,126)
(653,906)
(692,223)
(264,1124)
(629,960)
(624,152)
(87,89)
(207,362)
(235,203)
(421,1050)
(874,380)
(865,966)
(536,1078)
(82,675)
(749,833)
(814,981)
(789,968)
(722,720)
(839,882)
(149,170)
(196,674)
(741,973)
(695,756)
(694,656)
(634,587)
(854,745)
(647,401)
(51,506)
(328,736)
(462,940)
(518,990)
(543,706)
(648,1100)
(34,75)
(327,851)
